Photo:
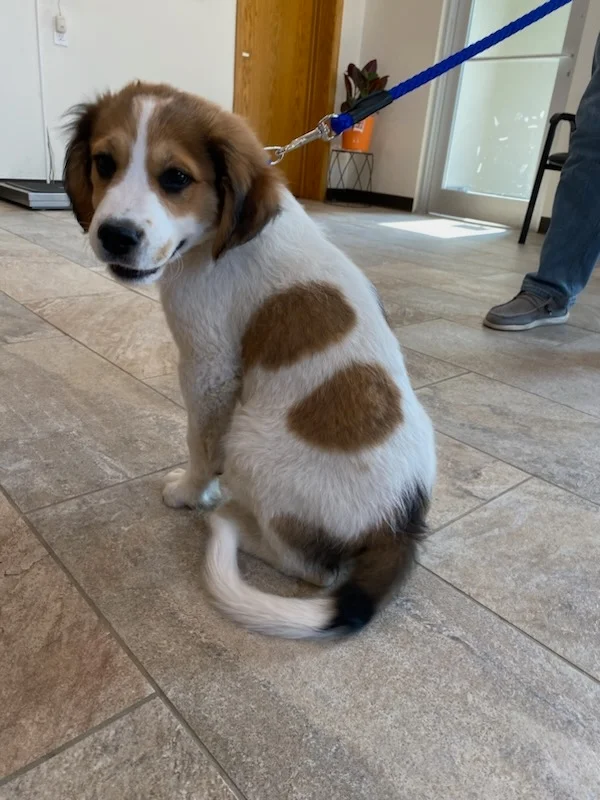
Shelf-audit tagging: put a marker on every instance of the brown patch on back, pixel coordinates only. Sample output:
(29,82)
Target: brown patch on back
(296,323)
(359,406)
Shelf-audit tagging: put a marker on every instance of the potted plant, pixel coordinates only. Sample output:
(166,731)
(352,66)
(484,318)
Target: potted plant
(360,83)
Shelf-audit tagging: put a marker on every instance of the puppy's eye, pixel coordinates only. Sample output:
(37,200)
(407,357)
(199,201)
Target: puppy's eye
(174,180)
(105,165)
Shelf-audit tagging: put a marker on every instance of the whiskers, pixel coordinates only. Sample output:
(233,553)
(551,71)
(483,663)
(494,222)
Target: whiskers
(173,270)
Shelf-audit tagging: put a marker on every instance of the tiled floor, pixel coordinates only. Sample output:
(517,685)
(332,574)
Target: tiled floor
(117,679)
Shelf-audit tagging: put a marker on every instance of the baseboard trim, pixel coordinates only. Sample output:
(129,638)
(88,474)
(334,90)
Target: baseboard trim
(394,201)
(544,225)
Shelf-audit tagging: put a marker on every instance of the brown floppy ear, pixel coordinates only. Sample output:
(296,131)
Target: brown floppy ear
(247,189)
(78,162)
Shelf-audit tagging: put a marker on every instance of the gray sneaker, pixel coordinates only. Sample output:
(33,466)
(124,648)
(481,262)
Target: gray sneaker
(525,311)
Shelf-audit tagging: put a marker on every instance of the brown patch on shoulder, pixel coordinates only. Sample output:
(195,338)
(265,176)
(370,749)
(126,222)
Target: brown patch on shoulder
(296,323)
(359,406)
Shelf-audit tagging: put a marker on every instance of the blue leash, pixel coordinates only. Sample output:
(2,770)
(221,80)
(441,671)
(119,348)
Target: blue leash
(378,100)
(331,126)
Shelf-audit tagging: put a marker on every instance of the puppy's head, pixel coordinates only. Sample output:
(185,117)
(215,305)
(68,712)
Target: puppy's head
(151,172)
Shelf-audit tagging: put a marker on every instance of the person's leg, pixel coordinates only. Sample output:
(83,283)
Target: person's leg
(572,244)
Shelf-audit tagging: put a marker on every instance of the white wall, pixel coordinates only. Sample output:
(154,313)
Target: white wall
(189,43)
(350,43)
(403,36)
(581,78)
(21,132)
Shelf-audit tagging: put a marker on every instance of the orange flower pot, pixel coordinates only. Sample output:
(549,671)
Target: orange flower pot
(358,137)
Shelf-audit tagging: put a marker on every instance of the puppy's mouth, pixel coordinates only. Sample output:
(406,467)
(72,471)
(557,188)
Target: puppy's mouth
(133,275)
(130,274)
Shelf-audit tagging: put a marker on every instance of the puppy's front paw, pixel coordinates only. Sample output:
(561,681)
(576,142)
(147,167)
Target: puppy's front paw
(181,492)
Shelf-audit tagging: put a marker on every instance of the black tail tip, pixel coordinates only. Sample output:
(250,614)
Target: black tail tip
(354,609)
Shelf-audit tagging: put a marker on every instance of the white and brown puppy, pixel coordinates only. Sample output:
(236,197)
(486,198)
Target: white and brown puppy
(294,384)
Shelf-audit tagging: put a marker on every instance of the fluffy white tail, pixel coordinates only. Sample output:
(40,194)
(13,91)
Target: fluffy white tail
(258,611)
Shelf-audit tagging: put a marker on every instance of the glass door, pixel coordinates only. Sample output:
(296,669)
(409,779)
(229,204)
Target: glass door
(495,109)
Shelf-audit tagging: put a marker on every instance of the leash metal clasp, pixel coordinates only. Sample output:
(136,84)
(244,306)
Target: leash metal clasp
(322,132)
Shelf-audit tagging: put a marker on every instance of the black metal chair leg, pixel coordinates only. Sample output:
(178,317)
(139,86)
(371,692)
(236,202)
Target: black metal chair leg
(538,181)
(555,119)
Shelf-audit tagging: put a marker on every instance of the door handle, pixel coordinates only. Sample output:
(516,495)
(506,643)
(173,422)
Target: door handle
(245,54)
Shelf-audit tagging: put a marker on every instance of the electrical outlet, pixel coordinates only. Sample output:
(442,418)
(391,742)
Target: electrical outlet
(61,39)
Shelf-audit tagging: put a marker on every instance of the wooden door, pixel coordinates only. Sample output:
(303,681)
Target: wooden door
(285,75)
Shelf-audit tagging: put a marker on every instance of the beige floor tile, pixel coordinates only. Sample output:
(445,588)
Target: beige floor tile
(407,304)
(531,433)
(532,556)
(423,369)
(43,275)
(145,754)
(516,259)
(13,246)
(167,385)
(18,324)
(62,671)
(586,316)
(492,290)
(34,227)
(466,479)
(426,703)
(568,373)
(73,423)
(56,235)
(127,329)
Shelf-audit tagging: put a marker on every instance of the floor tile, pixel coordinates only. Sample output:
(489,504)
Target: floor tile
(43,275)
(62,672)
(400,311)
(466,479)
(127,329)
(496,290)
(145,754)
(18,324)
(167,385)
(584,315)
(13,246)
(73,423)
(423,369)
(55,235)
(532,556)
(531,433)
(408,304)
(567,374)
(438,700)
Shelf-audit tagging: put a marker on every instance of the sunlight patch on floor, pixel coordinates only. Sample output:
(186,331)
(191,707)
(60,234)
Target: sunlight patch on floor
(443,228)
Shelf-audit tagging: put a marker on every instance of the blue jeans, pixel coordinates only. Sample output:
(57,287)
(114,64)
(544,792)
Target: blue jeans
(572,245)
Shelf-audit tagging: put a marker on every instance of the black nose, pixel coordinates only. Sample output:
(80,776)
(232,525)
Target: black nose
(119,238)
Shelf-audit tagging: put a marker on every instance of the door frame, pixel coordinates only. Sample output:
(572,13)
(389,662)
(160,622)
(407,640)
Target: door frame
(322,84)
(442,104)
